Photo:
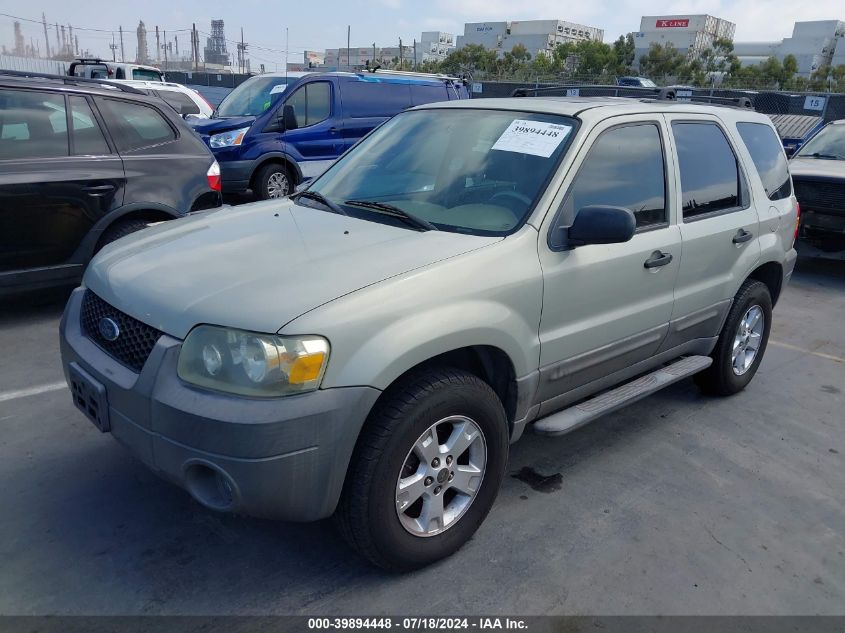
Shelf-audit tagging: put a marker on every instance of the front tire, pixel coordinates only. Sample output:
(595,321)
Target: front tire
(742,342)
(120,229)
(273,181)
(426,469)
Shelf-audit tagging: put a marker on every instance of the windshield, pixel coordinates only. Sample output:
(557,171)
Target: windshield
(146,74)
(829,142)
(253,96)
(468,171)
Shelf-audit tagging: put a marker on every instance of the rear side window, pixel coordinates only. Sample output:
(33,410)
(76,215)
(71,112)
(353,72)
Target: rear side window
(88,139)
(363,99)
(135,126)
(146,75)
(428,93)
(767,153)
(624,168)
(179,101)
(32,125)
(710,180)
(311,103)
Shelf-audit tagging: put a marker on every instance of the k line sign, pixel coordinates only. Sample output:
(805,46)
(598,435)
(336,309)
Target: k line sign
(672,24)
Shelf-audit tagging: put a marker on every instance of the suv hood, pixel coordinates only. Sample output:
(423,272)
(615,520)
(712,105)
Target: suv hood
(207,127)
(258,266)
(818,167)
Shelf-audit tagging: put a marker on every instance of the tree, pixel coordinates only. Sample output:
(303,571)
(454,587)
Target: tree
(665,61)
(624,50)
(471,58)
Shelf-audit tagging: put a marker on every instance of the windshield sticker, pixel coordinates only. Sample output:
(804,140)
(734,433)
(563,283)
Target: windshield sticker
(279,88)
(532,137)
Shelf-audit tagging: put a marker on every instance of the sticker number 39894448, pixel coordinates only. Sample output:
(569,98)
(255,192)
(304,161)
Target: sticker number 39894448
(537,138)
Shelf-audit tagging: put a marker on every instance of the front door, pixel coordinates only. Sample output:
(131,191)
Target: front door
(318,138)
(606,307)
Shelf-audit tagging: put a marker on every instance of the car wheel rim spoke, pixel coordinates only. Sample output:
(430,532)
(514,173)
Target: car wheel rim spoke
(441,476)
(747,340)
(277,185)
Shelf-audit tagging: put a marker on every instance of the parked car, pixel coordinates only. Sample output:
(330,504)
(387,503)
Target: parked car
(82,163)
(636,82)
(186,102)
(369,347)
(276,130)
(795,129)
(818,170)
(101,69)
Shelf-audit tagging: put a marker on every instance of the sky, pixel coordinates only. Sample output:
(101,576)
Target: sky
(321,24)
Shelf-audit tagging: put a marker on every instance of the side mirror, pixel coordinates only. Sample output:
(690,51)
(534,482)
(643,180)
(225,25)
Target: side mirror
(289,118)
(790,150)
(597,224)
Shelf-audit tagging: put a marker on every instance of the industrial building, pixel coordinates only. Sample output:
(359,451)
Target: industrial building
(435,46)
(690,34)
(215,52)
(539,37)
(813,44)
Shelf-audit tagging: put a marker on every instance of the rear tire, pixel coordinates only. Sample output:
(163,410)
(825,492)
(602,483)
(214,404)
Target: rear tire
(733,363)
(390,528)
(121,229)
(273,181)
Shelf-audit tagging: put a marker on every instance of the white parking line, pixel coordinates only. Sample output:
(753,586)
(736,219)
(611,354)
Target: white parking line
(795,348)
(32,391)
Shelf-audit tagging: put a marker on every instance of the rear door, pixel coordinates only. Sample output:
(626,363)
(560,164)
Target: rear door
(164,164)
(54,183)
(719,224)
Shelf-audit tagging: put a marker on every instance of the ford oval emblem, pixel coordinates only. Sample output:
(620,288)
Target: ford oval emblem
(109,329)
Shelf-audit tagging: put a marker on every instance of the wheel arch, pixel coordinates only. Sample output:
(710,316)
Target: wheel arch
(282,159)
(771,274)
(150,211)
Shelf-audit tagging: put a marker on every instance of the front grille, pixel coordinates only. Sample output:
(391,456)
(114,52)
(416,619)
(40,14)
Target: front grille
(135,340)
(814,195)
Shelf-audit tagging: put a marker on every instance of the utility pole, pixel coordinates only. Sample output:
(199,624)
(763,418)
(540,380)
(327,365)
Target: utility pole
(113,47)
(415,53)
(195,47)
(176,39)
(122,55)
(70,38)
(165,50)
(287,48)
(348,47)
(374,56)
(400,53)
(46,37)
(158,45)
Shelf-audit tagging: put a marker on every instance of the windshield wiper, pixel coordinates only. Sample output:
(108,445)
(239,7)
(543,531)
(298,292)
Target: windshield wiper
(827,156)
(318,197)
(396,212)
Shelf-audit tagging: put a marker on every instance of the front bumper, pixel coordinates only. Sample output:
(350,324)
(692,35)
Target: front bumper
(280,458)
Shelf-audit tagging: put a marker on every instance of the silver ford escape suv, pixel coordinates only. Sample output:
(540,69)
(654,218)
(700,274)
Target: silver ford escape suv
(369,347)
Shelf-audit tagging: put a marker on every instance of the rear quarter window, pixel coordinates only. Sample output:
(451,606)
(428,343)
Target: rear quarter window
(135,126)
(767,153)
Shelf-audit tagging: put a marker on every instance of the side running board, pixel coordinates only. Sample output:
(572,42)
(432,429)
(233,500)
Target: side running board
(580,414)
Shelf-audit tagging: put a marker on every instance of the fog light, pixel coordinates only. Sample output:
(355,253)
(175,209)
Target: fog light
(212,359)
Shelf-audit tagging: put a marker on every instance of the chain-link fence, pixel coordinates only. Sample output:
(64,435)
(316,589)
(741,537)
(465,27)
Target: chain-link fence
(826,106)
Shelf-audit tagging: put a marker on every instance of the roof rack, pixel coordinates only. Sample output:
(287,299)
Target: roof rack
(409,73)
(73,81)
(680,94)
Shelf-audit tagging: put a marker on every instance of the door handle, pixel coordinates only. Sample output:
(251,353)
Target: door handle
(742,236)
(98,190)
(658,259)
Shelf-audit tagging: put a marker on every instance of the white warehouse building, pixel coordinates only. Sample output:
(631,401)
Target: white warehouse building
(813,44)
(690,34)
(435,46)
(539,37)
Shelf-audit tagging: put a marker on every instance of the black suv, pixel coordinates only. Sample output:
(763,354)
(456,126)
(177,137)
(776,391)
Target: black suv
(82,163)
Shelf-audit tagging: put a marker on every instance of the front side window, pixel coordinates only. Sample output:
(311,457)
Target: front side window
(710,180)
(135,126)
(469,171)
(624,168)
(32,125)
(767,153)
(311,103)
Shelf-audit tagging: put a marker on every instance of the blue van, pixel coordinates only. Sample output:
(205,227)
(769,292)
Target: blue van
(276,130)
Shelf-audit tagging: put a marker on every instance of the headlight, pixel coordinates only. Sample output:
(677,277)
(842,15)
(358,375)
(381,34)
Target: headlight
(228,139)
(251,364)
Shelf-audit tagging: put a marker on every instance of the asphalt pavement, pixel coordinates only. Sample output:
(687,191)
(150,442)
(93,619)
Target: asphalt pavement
(679,504)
